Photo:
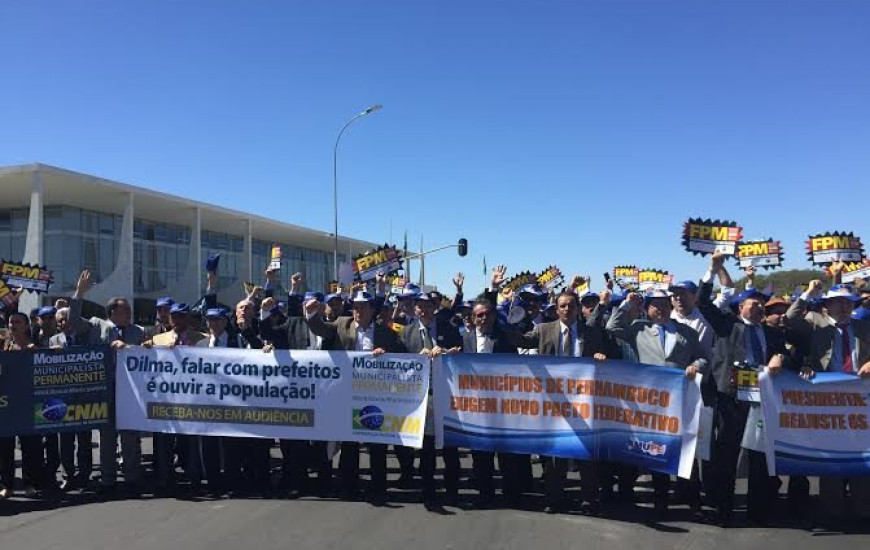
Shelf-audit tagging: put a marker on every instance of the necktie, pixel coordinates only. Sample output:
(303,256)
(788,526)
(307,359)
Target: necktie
(427,340)
(755,344)
(662,335)
(847,348)
(567,348)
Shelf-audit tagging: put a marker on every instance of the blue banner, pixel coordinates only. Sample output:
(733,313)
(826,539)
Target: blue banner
(616,411)
(816,427)
(48,391)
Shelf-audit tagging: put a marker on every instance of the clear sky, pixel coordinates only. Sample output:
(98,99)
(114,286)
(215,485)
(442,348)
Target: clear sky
(578,133)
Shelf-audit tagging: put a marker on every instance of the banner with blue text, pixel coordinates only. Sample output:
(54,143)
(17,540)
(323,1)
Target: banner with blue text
(816,427)
(315,395)
(568,407)
(49,391)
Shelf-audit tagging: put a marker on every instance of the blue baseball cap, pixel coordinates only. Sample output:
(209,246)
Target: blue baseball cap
(424,297)
(686,285)
(362,297)
(180,307)
(861,314)
(333,296)
(216,313)
(841,291)
(46,310)
(653,294)
(410,290)
(314,296)
(467,304)
(747,294)
(166,301)
(532,290)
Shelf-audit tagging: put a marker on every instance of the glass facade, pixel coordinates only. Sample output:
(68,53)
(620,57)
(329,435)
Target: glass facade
(315,265)
(160,254)
(231,248)
(13,233)
(77,239)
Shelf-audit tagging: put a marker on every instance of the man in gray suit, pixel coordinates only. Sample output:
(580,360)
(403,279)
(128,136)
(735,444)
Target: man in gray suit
(119,332)
(658,340)
(837,343)
(568,337)
(357,333)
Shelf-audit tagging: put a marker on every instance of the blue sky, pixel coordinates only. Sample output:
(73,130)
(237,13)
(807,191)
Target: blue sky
(578,133)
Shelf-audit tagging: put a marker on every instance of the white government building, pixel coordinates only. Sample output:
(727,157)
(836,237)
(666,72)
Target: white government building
(143,244)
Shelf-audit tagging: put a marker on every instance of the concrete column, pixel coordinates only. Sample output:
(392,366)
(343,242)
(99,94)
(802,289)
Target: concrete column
(120,281)
(232,293)
(33,246)
(189,287)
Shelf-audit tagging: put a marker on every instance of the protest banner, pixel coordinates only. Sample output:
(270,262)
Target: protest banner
(550,279)
(626,276)
(48,391)
(816,427)
(853,271)
(746,379)
(275,258)
(653,279)
(826,248)
(766,254)
(386,260)
(708,236)
(30,277)
(519,280)
(316,395)
(568,407)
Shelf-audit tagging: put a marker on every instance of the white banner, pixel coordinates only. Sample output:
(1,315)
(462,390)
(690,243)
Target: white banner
(643,415)
(819,427)
(316,395)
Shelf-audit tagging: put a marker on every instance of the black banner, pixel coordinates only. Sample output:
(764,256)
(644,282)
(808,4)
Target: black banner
(65,390)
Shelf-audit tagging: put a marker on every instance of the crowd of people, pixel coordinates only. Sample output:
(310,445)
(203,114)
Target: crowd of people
(686,325)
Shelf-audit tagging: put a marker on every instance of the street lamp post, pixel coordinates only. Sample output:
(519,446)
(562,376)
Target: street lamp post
(371,109)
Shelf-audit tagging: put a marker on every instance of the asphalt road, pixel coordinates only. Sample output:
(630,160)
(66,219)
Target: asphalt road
(79,521)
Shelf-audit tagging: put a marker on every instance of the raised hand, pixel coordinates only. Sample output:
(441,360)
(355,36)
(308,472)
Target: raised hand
(85,283)
(498,276)
(458,281)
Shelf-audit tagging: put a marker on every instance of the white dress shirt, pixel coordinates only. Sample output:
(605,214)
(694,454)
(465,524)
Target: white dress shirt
(484,342)
(365,338)
(575,347)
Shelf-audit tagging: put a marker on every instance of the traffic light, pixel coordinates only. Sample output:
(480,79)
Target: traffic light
(463,247)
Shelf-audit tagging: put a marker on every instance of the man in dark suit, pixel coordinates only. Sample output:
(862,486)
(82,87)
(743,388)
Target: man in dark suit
(433,335)
(835,342)
(488,336)
(568,337)
(293,333)
(741,338)
(357,333)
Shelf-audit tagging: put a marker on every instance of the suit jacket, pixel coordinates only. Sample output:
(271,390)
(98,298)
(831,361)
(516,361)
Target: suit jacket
(102,331)
(683,349)
(82,338)
(820,335)
(169,338)
(341,334)
(501,341)
(447,336)
(291,334)
(545,338)
(730,344)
